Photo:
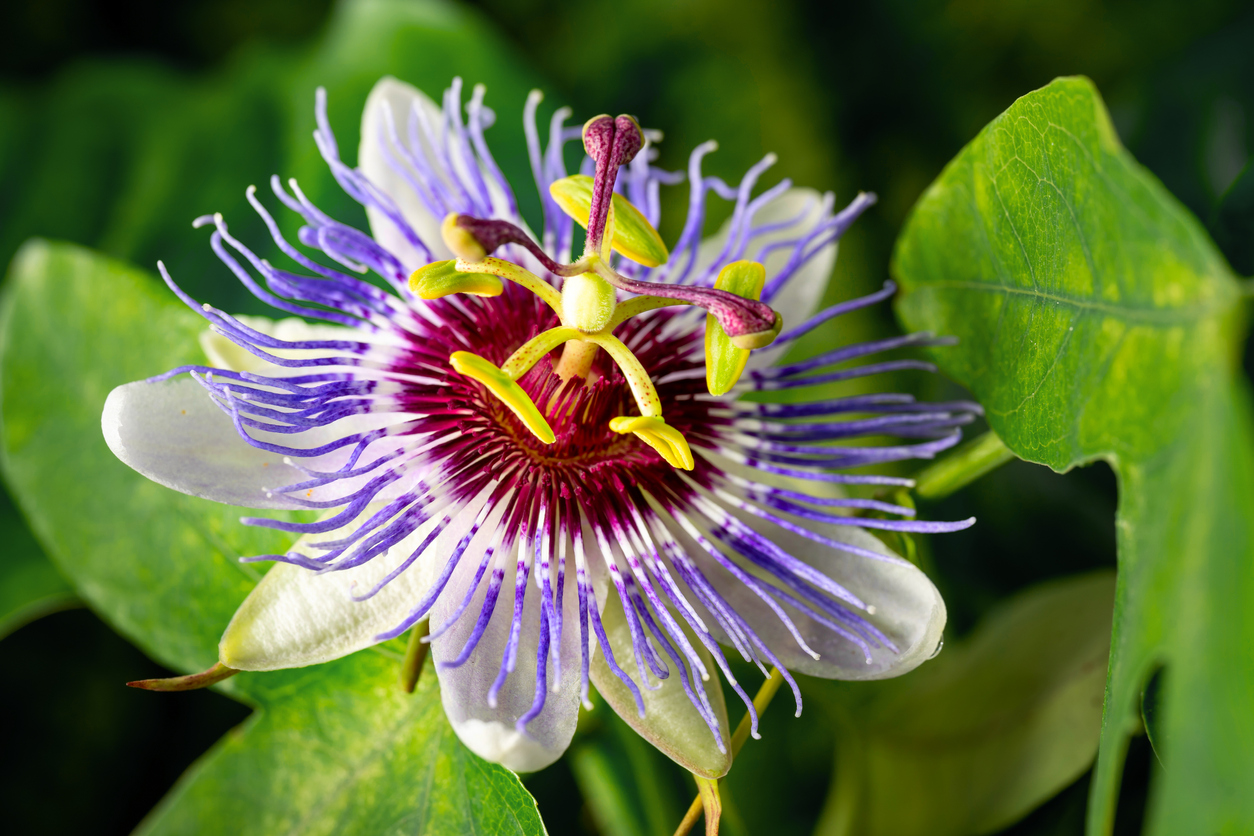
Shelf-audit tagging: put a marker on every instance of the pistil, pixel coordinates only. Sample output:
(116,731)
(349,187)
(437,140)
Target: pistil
(610,143)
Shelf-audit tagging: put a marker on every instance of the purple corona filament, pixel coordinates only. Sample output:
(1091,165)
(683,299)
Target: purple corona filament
(386,433)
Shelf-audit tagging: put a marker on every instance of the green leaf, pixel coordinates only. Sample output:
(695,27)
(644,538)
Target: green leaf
(1097,321)
(340,740)
(30,586)
(341,749)
(159,566)
(984,733)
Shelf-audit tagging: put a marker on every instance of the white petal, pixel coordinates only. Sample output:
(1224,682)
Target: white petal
(489,731)
(297,617)
(908,608)
(371,159)
(173,433)
(671,722)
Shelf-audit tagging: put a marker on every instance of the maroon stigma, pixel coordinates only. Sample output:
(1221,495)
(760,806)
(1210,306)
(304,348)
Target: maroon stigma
(610,143)
(491,233)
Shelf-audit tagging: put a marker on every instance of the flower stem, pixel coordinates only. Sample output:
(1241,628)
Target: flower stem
(707,796)
(959,469)
(415,655)
(191,682)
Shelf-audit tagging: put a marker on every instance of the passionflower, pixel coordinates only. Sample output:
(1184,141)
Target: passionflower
(547,467)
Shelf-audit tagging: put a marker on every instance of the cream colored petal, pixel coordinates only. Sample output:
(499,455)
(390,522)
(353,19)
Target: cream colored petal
(297,617)
(173,433)
(490,730)
(671,722)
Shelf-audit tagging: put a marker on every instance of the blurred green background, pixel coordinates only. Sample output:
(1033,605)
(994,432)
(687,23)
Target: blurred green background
(113,117)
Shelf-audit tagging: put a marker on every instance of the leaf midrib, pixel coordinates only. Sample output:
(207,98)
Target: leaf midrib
(1191,314)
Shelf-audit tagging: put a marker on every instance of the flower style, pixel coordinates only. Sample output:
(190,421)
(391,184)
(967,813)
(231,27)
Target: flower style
(549,462)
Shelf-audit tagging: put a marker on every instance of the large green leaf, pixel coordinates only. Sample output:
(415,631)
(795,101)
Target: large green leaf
(983,734)
(340,749)
(336,748)
(1097,321)
(30,586)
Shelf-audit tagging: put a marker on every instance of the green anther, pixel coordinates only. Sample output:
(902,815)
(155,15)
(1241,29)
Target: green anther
(442,278)
(587,302)
(762,338)
(724,360)
(521,361)
(633,235)
(509,392)
(669,442)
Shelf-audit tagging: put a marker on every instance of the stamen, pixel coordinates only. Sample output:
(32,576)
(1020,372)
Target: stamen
(509,392)
(637,378)
(724,360)
(669,442)
(521,361)
(517,275)
(442,278)
(633,235)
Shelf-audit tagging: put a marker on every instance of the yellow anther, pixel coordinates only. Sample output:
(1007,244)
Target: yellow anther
(629,232)
(461,240)
(669,442)
(442,278)
(506,390)
(724,359)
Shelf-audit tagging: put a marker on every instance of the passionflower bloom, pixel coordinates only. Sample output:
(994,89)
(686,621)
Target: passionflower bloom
(550,464)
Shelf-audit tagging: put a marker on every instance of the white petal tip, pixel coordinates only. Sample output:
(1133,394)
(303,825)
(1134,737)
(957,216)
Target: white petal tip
(510,748)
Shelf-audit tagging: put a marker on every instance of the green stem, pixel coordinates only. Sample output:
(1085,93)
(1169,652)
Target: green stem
(962,467)
(708,796)
(415,655)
